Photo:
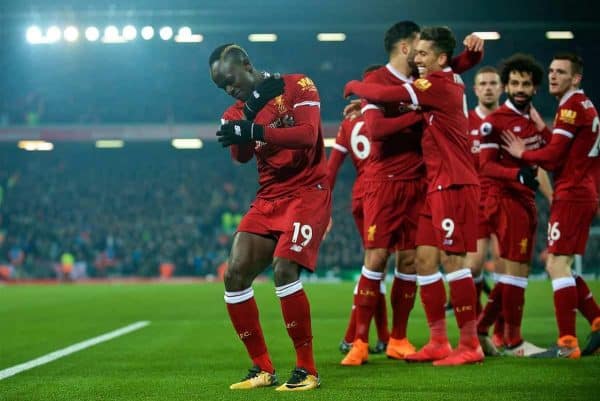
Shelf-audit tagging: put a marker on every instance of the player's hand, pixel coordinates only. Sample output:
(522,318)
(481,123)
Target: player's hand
(352,109)
(528,177)
(513,144)
(406,107)
(239,131)
(349,88)
(268,89)
(537,119)
(473,43)
(328,229)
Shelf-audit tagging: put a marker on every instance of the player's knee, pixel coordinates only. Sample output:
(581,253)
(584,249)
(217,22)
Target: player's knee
(234,278)
(406,264)
(425,265)
(376,259)
(285,272)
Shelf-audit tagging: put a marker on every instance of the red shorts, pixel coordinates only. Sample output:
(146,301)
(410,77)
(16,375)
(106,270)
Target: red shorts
(569,226)
(359,217)
(448,220)
(297,222)
(484,227)
(515,220)
(391,210)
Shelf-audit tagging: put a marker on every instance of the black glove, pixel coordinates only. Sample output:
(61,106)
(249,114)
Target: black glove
(528,177)
(240,131)
(268,89)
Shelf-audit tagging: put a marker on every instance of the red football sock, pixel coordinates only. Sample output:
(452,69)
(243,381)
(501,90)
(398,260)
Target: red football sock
(433,297)
(585,300)
(351,329)
(366,301)
(513,300)
(499,326)
(244,316)
(404,290)
(380,317)
(462,297)
(565,305)
(296,314)
(492,309)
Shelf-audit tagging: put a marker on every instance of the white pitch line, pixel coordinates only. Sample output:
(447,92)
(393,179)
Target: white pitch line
(71,349)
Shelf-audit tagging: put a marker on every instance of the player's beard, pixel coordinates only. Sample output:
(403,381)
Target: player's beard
(521,105)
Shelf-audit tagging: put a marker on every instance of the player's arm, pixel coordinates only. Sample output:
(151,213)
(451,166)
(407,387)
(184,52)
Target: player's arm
(470,57)
(337,156)
(545,186)
(550,157)
(378,93)
(489,155)
(380,128)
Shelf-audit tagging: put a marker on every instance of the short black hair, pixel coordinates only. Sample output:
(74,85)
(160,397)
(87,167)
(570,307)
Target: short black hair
(520,62)
(226,50)
(399,31)
(575,59)
(443,39)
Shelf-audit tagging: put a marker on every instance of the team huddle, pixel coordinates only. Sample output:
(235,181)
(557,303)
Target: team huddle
(436,185)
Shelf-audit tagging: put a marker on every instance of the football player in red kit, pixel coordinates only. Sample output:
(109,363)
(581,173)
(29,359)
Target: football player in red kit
(447,227)
(277,120)
(573,155)
(510,203)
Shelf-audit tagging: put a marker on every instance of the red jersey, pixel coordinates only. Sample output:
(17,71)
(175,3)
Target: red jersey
(574,151)
(293,154)
(476,117)
(498,164)
(398,156)
(350,140)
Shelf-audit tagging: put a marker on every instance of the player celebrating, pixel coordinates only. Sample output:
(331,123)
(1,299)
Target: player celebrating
(394,193)
(574,156)
(447,225)
(510,203)
(278,121)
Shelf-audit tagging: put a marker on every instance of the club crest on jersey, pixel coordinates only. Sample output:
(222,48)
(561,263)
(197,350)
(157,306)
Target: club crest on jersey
(422,84)
(307,84)
(280,104)
(568,116)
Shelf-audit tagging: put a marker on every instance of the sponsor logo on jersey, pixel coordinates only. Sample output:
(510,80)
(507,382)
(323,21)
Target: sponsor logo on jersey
(306,84)
(568,116)
(587,104)
(422,84)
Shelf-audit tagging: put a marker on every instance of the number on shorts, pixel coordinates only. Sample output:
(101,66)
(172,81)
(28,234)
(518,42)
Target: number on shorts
(302,229)
(448,226)
(553,231)
(595,151)
(356,139)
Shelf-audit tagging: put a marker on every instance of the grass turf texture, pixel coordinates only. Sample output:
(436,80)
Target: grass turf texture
(190,351)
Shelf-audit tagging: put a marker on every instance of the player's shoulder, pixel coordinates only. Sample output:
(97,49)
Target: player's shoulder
(575,107)
(300,82)
(234,112)
(380,75)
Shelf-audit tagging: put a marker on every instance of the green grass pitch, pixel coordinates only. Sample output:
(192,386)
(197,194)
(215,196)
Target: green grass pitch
(190,351)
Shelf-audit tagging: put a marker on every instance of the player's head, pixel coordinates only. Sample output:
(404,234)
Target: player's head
(231,70)
(521,75)
(487,86)
(565,73)
(401,38)
(369,69)
(434,50)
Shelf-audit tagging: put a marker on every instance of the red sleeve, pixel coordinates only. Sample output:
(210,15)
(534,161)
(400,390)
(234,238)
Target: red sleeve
(380,128)
(333,165)
(489,154)
(546,134)
(302,135)
(551,156)
(378,93)
(465,61)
